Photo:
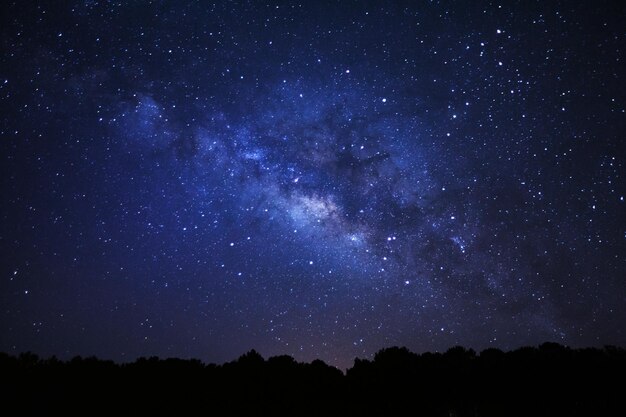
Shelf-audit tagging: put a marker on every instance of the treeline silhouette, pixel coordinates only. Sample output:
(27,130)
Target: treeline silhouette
(551,380)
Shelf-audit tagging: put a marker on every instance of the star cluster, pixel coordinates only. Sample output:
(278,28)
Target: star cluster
(316,179)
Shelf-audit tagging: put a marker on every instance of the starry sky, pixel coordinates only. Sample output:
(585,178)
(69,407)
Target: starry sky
(317,179)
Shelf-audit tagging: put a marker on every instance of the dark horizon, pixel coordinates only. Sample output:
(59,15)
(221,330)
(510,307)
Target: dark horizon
(549,380)
(255,353)
(318,179)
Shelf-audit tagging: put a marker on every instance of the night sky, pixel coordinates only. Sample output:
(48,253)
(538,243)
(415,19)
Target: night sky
(321,179)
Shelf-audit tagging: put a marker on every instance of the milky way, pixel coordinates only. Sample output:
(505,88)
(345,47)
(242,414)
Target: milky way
(320,180)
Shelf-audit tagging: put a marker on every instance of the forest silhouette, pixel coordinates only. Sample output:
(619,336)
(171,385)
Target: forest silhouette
(549,380)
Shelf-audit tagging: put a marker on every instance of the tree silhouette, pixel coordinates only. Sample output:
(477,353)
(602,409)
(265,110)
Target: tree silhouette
(550,380)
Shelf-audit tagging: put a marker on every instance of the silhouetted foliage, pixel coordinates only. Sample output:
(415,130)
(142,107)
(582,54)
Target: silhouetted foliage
(551,380)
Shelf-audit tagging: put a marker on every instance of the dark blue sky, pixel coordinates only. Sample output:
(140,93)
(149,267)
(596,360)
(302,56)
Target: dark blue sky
(321,179)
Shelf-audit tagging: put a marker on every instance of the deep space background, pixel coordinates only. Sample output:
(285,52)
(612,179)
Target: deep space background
(317,179)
